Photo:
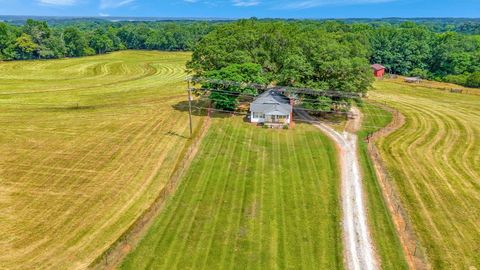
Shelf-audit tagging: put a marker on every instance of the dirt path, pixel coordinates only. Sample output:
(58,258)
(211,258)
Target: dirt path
(358,248)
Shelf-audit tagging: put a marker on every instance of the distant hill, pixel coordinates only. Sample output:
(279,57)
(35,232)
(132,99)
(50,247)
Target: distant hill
(53,20)
(461,25)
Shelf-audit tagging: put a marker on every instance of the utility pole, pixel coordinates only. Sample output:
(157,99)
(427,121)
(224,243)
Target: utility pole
(190,107)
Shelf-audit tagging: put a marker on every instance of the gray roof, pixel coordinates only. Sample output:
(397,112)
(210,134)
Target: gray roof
(271,103)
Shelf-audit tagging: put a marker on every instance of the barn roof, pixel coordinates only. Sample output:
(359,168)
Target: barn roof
(271,103)
(377,67)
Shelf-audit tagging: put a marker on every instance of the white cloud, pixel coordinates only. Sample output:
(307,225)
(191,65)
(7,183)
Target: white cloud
(287,4)
(245,3)
(236,3)
(105,4)
(58,2)
(305,4)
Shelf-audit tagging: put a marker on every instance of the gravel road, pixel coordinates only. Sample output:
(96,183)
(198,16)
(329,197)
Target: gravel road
(358,248)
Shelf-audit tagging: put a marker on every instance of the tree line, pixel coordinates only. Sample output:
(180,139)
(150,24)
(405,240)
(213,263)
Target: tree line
(413,50)
(300,52)
(37,40)
(329,56)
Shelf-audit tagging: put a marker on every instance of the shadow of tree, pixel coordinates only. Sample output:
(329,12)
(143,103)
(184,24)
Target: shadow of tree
(200,108)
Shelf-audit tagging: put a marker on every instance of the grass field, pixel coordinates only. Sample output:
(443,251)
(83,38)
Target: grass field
(86,145)
(383,231)
(252,199)
(434,160)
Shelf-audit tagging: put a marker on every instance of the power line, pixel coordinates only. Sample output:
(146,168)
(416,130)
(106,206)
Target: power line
(282,89)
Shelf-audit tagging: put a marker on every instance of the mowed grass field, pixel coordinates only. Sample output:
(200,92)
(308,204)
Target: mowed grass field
(382,228)
(252,199)
(86,145)
(434,160)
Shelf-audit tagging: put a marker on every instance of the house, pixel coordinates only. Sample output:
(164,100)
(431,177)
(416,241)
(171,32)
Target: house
(272,108)
(378,70)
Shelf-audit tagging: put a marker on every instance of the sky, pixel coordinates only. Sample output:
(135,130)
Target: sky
(245,8)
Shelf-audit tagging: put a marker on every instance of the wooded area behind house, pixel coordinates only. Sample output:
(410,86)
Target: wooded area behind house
(443,50)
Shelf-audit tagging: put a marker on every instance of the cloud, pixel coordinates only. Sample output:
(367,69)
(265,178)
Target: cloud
(105,4)
(306,4)
(57,2)
(245,3)
(235,3)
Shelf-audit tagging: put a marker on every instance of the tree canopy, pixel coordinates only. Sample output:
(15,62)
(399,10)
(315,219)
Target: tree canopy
(286,54)
(226,96)
(36,39)
(319,54)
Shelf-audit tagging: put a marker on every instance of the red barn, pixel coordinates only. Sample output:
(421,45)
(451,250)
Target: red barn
(378,70)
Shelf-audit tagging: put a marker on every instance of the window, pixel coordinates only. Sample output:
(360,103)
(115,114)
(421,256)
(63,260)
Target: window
(258,115)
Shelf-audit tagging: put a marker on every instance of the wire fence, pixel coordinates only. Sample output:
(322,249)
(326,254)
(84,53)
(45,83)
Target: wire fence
(113,255)
(417,254)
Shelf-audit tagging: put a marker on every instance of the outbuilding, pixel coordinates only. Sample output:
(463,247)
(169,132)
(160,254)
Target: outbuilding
(413,79)
(271,108)
(378,70)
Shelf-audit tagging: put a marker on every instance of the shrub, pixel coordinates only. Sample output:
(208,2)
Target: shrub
(456,79)
(418,72)
(473,80)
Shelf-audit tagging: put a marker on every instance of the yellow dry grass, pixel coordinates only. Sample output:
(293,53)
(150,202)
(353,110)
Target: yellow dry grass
(86,144)
(437,85)
(434,161)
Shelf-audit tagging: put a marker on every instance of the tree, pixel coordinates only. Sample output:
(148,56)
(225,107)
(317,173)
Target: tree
(25,46)
(288,53)
(6,42)
(38,30)
(454,54)
(101,43)
(75,42)
(474,80)
(323,104)
(53,47)
(401,49)
(225,97)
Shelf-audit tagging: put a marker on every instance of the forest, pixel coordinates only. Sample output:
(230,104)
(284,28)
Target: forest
(321,54)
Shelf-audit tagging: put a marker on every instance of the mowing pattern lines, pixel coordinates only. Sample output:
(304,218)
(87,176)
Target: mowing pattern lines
(252,199)
(72,179)
(435,162)
(382,228)
(359,252)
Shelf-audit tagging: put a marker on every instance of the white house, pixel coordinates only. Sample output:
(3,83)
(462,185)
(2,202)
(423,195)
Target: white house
(271,108)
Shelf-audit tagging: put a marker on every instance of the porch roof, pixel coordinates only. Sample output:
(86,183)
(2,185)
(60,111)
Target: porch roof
(277,113)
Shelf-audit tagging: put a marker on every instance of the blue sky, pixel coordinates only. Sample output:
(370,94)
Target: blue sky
(245,8)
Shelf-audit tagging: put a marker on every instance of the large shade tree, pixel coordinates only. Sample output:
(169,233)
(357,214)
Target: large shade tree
(224,95)
(288,55)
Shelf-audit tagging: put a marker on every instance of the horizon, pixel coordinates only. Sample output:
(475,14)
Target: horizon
(189,18)
(239,9)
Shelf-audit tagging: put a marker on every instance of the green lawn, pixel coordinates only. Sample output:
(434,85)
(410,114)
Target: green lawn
(434,161)
(382,228)
(252,199)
